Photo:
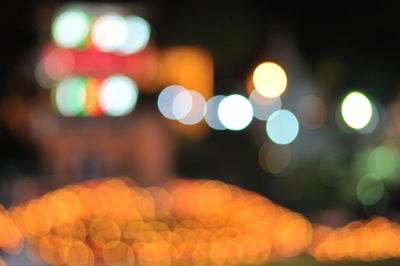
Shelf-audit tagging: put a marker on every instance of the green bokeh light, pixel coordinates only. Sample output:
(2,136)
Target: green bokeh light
(70,96)
(370,189)
(383,160)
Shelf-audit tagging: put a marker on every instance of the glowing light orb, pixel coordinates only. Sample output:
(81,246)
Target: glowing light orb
(211,114)
(235,112)
(196,112)
(384,161)
(269,79)
(70,28)
(263,107)
(370,189)
(166,99)
(118,95)
(58,64)
(356,110)
(110,32)
(137,36)
(182,104)
(373,123)
(282,127)
(70,96)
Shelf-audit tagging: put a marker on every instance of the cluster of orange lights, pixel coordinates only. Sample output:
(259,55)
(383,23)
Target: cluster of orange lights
(376,239)
(198,222)
(112,221)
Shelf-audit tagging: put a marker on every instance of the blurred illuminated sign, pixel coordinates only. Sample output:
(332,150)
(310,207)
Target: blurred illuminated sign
(89,47)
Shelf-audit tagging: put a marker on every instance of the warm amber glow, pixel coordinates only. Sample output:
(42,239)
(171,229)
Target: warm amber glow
(376,239)
(199,222)
(187,66)
(269,79)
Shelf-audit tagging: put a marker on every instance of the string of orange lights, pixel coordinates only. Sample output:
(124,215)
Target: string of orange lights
(197,222)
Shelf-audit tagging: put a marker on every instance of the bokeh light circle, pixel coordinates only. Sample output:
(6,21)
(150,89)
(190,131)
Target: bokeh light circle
(370,189)
(269,79)
(109,32)
(70,96)
(118,95)
(70,28)
(356,110)
(182,104)
(235,112)
(58,64)
(263,106)
(166,99)
(197,109)
(384,160)
(282,127)
(137,37)
(211,114)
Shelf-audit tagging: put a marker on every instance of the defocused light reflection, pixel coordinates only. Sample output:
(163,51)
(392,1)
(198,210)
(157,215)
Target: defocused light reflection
(166,99)
(282,127)
(356,110)
(92,104)
(235,112)
(370,189)
(71,28)
(57,64)
(263,107)
(373,123)
(269,79)
(197,108)
(70,96)
(182,104)
(110,32)
(186,223)
(211,115)
(376,239)
(118,95)
(384,160)
(137,37)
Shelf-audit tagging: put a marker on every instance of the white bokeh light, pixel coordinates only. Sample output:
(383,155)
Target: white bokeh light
(356,110)
(235,112)
(282,127)
(70,28)
(197,110)
(270,79)
(137,36)
(166,98)
(182,104)
(118,95)
(211,114)
(109,32)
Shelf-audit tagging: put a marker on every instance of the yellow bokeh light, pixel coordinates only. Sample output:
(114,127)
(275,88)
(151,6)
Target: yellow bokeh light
(269,79)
